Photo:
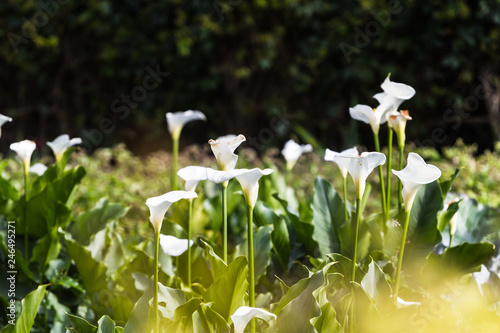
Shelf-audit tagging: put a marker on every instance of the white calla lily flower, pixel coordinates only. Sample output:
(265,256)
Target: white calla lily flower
(398,123)
(158,206)
(359,167)
(330,157)
(414,175)
(292,151)
(177,120)
(174,246)
(242,316)
(192,175)
(394,94)
(223,149)
(38,169)
(368,115)
(24,149)
(3,120)
(249,181)
(61,143)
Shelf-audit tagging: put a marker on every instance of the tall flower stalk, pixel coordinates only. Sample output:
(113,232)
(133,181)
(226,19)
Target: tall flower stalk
(176,122)
(359,168)
(158,207)
(223,149)
(24,149)
(389,166)
(330,156)
(249,181)
(413,176)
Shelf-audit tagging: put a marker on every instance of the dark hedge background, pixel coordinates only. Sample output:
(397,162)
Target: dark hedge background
(267,69)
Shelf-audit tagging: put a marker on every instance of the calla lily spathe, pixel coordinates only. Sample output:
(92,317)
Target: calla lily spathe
(244,314)
(368,115)
(158,206)
(24,149)
(174,246)
(38,169)
(394,94)
(223,149)
(192,175)
(360,167)
(292,151)
(398,123)
(249,181)
(61,143)
(414,175)
(177,120)
(3,120)
(330,157)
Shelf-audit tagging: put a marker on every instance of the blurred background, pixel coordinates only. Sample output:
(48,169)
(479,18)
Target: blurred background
(108,71)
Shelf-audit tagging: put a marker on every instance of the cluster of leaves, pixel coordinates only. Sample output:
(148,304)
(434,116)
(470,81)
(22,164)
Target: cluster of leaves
(302,249)
(251,56)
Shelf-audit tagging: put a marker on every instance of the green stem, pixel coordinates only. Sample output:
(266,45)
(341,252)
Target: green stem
(353,273)
(175,156)
(401,251)
(190,221)
(157,251)
(224,219)
(356,231)
(389,165)
(251,264)
(451,237)
(26,245)
(400,185)
(381,176)
(345,200)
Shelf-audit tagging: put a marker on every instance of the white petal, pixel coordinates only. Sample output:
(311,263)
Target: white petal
(380,97)
(24,150)
(482,276)
(403,304)
(174,246)
(217,176)
(249,181)
(399,90)
(242,316)
(223,149)
(415,174)
(38,169)
(360,167)
(158,206)
(192,175)
(292,151)
(4,119)
(367,115)
(61,143)
(177,120)
(330,156)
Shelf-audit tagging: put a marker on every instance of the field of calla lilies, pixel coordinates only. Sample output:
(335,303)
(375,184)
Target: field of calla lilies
(234,245)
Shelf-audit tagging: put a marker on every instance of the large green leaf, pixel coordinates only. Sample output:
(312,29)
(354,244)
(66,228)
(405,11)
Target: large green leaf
(281,242)
(208,320)
(262,250)
(228,292)
(92,273)
(90,222)
(29,310)
(328,216)
(298,305)
(81,325)
(141,316)
(375,284)
(423,234)
(169,300)
(464,258)
(327,322)
(217,265)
